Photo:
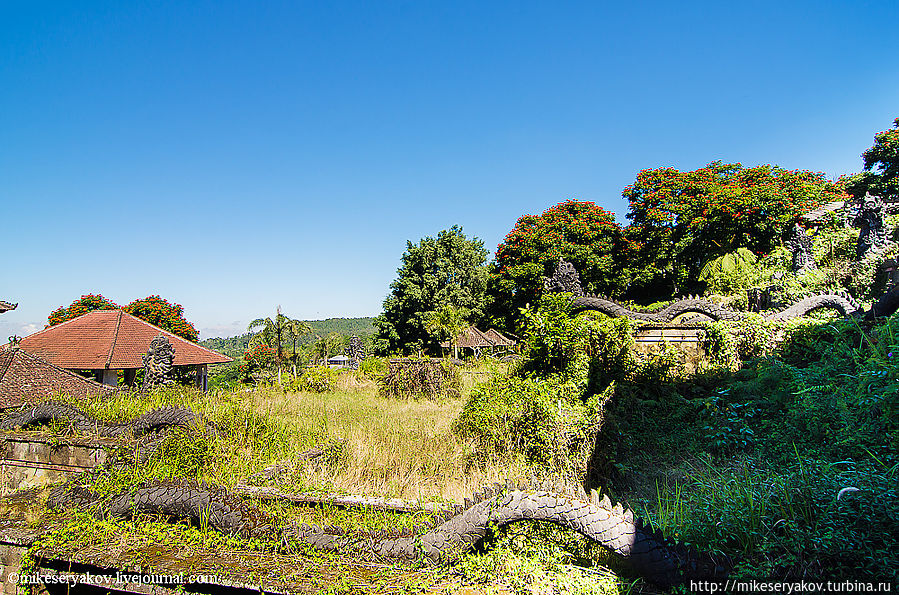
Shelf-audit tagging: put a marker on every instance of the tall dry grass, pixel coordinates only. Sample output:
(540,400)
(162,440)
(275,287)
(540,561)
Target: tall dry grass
(389,447)
(374,445)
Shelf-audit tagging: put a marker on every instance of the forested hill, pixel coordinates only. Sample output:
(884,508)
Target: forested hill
(235,346)
(343,326)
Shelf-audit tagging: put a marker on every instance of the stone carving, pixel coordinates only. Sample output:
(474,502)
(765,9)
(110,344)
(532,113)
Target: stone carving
(871,219)
(84,423)
(158,363)
(565,278)
(843,304)
(355,351)
(613,526)
(800,245)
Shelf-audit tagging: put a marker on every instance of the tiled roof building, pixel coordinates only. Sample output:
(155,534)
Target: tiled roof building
(110,340)
(26,378)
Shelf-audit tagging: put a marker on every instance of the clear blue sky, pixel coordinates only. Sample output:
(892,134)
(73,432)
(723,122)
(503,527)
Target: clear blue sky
(234,156)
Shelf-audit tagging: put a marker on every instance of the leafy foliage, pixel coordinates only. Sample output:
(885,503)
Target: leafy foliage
(449,269)
(87,303)
(446,322)
(544,422)
(682,219)
(161,313)
(578,231)
(881,170)
(317,379)
(731,272)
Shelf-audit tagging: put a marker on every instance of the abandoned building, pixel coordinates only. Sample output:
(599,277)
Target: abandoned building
(27,378)
(478,341)
(110,342)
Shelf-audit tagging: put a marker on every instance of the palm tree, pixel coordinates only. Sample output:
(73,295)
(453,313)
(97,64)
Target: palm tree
(295,330)
(447,321)
(325,346)
(275,331)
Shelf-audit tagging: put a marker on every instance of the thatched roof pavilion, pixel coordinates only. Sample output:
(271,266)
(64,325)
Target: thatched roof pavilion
(476,340)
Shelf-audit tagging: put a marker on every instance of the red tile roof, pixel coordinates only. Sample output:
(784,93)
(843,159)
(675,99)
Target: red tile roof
(110,339)
(26,378)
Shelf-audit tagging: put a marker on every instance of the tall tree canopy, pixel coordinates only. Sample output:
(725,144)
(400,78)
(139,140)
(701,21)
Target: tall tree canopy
(881,171)
(580,232)
(275,331)
(680,220)
(161,313)
(449,269)
(152,309)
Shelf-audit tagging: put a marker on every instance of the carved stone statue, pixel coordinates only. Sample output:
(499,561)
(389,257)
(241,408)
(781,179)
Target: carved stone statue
(871,219)
(565,278)
(158,362)
(355,351)
(800,245)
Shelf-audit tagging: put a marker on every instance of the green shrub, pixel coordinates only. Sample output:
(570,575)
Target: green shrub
(541,422)
(317,379)
(557,342)
(373,366)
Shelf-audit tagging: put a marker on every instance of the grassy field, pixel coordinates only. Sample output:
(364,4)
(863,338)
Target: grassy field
(372,446)
(385,447)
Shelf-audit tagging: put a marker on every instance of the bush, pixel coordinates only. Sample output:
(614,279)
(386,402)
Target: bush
(316,379)
(373,366)
(416,378)
(542,422)
(556,342)
(728,344)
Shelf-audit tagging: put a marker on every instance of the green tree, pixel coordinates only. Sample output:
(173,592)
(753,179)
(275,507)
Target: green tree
(271,332)
(679,220)
(327,345)
(294,329)
(578,231)
(161,313)
(731,272)
(87,303)
(448,322)
(881,171)
(449,269)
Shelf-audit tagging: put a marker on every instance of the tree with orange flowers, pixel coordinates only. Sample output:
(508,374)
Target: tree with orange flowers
(681,220)
(578,231)
(152,309)
(83,305)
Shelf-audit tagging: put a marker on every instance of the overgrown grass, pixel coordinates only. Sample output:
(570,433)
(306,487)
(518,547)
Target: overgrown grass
(788,522)
(373,445)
